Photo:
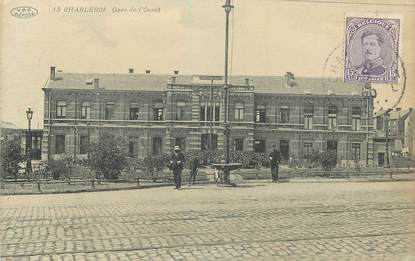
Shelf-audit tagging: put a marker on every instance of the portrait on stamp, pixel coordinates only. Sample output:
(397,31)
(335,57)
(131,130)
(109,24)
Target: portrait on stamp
(371,52)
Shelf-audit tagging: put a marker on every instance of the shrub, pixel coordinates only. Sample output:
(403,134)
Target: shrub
(11,155)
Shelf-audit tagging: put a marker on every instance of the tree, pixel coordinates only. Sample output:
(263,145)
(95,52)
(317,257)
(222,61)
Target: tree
(11,155)
(108,158)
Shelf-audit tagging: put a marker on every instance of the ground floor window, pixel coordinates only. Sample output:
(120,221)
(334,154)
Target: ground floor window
(259,145)
(209,141)
(355,151)
(285,149)
(83,144)
(157,145)
(59,144)
(238,144)
(181,142)
(332,146)
(132,146)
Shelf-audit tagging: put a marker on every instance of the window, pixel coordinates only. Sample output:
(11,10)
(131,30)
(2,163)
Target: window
(59,144)
(181,142)
(213,138)
(180,109)
(157,145)
(332,117)
(238,144)
(356,114)
(109,110)
(239,111)
(355,151)
(285,114)
(85,110)
(132,146)
(61,109)
(260,114)
(259,145)
(285,149)
(83,145)
(332,146)
(379,123)
(308,117)
(134,112)
(158,112)
(308,149)
(207,114)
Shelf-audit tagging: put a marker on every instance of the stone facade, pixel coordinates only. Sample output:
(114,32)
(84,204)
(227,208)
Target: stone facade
(156,112)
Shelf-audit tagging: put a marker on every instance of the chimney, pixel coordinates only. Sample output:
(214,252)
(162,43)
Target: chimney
(173,79)
(96,83)
(176,72)
(52,73)
(131,70)
(148,71)
(247,81)
(398,109)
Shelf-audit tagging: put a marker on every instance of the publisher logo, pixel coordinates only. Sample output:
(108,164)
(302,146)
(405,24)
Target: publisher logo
(24,12)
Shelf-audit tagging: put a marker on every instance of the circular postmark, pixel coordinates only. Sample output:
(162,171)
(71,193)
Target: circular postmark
(384,95)
(24,12)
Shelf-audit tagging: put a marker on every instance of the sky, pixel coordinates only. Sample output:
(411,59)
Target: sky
(267,37)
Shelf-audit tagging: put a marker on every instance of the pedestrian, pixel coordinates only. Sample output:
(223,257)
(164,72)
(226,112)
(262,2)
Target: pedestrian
(177,163)
(194,167)
(274,160)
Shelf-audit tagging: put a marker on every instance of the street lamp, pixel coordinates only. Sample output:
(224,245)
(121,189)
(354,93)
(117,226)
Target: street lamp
(387,114)
(29,115)
(228,8)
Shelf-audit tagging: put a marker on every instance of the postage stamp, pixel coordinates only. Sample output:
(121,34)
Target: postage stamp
(372,50)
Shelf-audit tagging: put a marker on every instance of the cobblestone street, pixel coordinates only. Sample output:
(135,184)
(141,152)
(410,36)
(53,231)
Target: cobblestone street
(261,221)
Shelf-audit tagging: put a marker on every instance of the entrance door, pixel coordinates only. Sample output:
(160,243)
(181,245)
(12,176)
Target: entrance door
(213,138)
(381,159)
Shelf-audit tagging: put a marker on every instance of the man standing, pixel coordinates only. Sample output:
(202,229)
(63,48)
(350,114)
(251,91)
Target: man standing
(177,163)
(274,160)
(194,166)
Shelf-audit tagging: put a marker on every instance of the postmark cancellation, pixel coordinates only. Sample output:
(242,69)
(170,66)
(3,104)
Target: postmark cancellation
(372,50)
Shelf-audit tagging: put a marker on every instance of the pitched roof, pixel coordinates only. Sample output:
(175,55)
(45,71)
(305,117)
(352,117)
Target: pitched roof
(157,82)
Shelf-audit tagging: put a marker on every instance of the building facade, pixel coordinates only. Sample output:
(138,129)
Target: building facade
(394,134)
(155,112)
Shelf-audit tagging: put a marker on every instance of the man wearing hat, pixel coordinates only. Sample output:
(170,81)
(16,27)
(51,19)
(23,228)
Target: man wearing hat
(177,163)
(274,160)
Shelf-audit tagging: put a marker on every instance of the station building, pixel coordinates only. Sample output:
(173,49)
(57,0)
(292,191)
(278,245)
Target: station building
(155,112)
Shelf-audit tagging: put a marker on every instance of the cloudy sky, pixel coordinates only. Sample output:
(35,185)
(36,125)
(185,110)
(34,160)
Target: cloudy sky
(268,37)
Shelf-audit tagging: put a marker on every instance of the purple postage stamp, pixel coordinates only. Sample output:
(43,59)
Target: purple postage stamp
(372,50)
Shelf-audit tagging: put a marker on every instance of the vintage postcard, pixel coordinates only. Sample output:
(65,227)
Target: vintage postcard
(207,130)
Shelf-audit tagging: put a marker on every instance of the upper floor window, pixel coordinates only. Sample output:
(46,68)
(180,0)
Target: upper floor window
(109,110)
(260,113)
(61,109)
(158,112)
(209,111)
(332,117)
(239,111)
(134,111)
(308,117)
(180,110)
(356,115)
(379,123)
(285,114)
(85,110)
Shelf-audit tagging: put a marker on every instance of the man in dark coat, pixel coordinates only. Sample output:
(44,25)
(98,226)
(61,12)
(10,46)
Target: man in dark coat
(194,166)
(274,160)
(177,163)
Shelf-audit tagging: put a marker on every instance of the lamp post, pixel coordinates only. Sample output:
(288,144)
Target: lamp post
(387,138)
(228,8)
(29,115)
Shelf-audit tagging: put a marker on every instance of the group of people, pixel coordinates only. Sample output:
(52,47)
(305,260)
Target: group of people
(177,164)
